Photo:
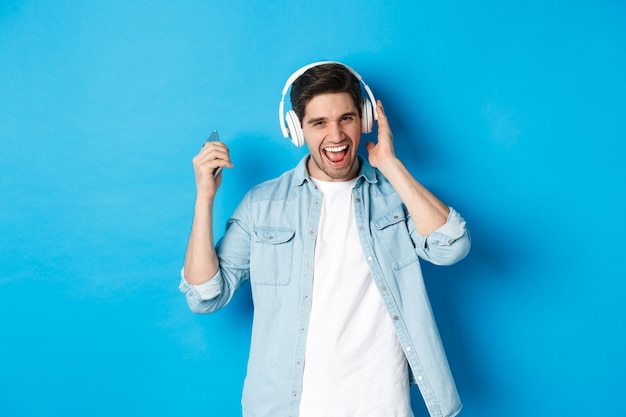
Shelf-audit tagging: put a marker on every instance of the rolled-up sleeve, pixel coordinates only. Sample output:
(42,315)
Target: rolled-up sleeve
(199,297)
(205,291)
(446,245)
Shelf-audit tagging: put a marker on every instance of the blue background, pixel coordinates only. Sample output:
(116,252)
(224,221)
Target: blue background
(512,112)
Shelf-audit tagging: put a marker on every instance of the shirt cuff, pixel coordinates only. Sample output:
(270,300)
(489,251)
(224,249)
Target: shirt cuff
(205,291)
(448,233)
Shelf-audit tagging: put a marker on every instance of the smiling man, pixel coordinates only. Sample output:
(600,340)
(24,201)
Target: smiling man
(332,127)
(342,323)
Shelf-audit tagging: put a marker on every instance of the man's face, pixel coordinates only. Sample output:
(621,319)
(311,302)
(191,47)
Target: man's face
(332,131)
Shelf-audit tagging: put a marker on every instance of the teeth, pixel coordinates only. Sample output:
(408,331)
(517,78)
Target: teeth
(336,148)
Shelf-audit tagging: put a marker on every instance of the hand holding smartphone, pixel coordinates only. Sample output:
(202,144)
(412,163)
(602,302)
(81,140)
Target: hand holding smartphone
(215,137)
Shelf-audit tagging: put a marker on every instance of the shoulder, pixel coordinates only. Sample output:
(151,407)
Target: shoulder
(279,188)
(373,181)
(380,187)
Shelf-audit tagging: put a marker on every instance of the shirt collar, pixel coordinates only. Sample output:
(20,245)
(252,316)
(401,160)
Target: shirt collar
(301,174)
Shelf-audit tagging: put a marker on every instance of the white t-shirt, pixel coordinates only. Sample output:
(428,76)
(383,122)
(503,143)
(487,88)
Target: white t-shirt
(354,364)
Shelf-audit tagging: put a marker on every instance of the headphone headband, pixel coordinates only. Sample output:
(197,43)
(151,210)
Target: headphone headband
(302,70)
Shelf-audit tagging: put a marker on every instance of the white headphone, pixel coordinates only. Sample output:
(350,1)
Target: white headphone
(290,124)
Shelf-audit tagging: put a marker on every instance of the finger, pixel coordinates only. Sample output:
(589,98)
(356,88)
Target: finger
(209,147)
(382,117)
(211,164)
(214,152)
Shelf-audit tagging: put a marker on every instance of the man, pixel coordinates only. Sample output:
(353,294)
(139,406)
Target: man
(342,321)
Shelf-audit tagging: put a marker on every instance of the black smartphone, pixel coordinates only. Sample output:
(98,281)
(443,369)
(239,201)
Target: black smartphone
(213,137)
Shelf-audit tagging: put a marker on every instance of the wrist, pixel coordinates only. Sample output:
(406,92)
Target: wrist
(204,199)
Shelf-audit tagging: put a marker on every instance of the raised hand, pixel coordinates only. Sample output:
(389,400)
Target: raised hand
(383,150)
(212,156)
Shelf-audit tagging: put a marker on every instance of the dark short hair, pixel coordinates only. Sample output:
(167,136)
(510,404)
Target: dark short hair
(321,79)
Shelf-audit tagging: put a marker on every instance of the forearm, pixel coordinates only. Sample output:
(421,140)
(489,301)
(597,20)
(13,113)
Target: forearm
(426,210)
(201,261)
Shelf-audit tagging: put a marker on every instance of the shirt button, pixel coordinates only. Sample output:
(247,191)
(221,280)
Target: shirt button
(369,258)
(408,348)
(311,232)
(420,378)
(395,317)
(358,200)
(383,288)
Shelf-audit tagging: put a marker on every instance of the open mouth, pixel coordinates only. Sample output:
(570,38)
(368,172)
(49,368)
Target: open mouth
(336,155)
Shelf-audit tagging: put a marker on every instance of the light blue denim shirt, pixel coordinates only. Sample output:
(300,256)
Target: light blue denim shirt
(270,240)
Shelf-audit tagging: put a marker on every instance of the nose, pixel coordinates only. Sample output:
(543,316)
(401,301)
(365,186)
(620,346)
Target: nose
(335,131)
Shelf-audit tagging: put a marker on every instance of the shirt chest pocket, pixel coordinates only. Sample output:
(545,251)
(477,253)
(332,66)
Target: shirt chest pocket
(271,255)
(391,231)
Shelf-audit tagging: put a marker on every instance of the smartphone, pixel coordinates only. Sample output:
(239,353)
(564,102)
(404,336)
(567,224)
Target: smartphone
(213,137)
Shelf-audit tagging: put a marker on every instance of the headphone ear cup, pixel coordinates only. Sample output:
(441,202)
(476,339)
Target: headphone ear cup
(367,116)
(294,127)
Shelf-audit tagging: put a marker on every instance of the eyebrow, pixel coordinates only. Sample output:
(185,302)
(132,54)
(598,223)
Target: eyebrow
(322,119)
